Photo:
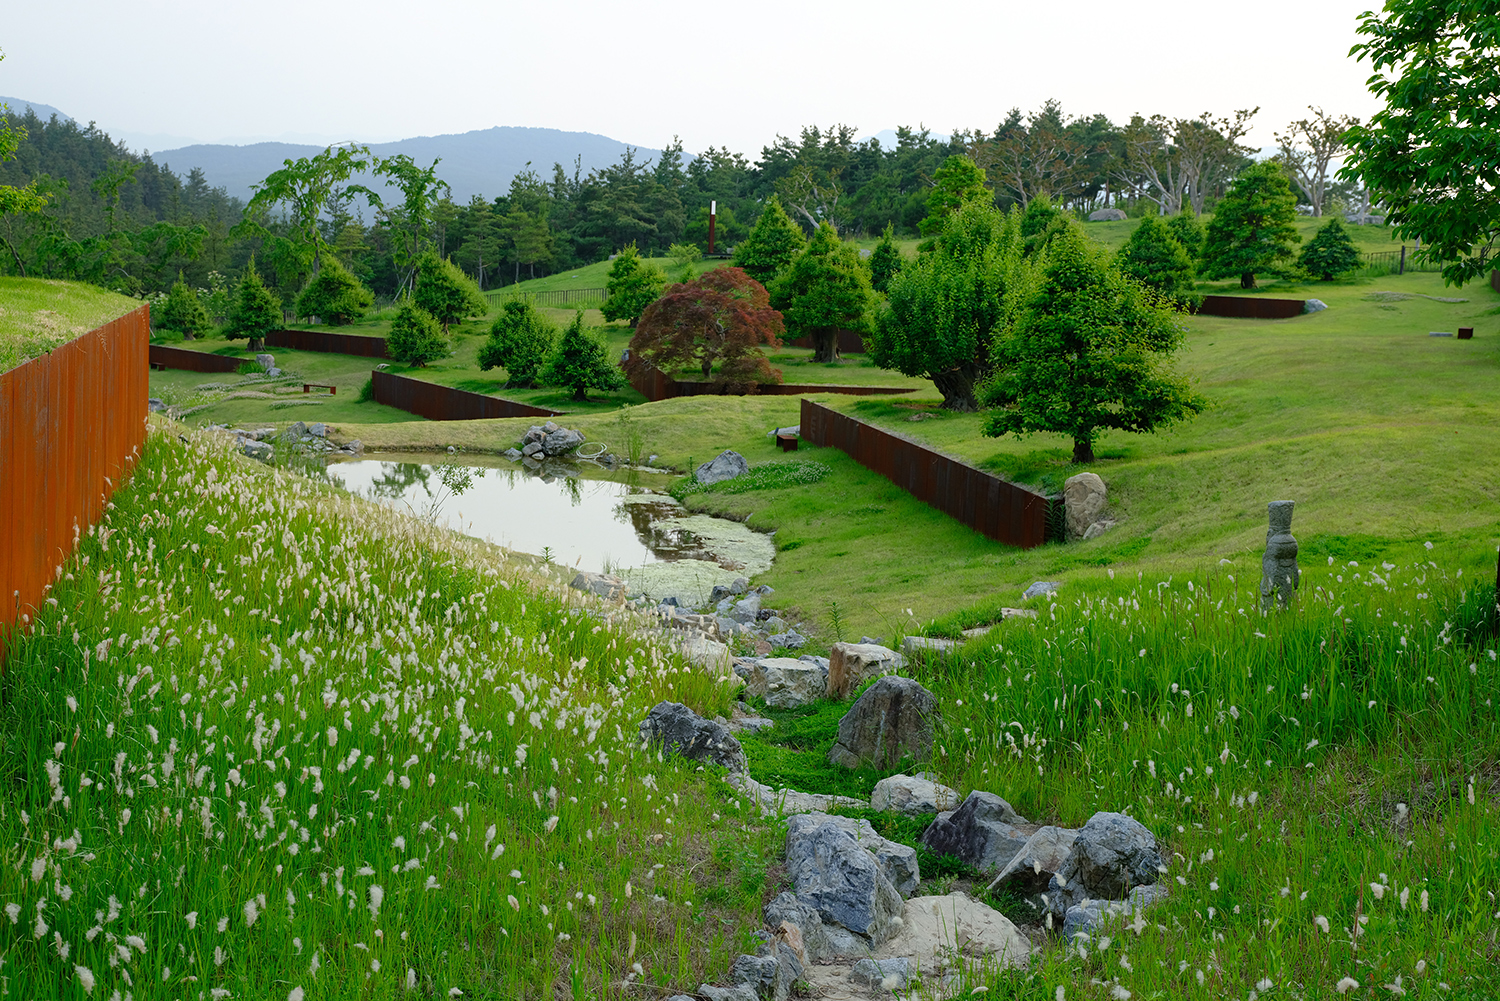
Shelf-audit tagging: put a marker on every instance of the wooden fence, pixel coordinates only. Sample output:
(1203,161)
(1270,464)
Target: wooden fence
(1003,511)
(71,426)
(322,340)
(443,403)
(162,356)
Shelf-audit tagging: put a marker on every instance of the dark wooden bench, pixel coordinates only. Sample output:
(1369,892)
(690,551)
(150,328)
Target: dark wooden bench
(788,442)
(308,387)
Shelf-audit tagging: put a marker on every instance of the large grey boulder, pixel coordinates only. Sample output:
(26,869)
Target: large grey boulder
(936,931)
(850,665)
(785,683)
(892,720)
(746,610)
(1037,861)
(985,831)
(770,975)
(1107,215)
(912,795)
(725,466)
(855,900)
(265,361)
(1314,306)
(561,442)
(1111,855)
(677,730)
(897,861)
(1084,500)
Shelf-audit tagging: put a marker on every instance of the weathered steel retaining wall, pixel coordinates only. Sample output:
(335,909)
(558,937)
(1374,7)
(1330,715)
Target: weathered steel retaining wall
(654,385)
(1250,307)
(71,426)
(193,361)
(1003,511)
(323,340)
(443,403)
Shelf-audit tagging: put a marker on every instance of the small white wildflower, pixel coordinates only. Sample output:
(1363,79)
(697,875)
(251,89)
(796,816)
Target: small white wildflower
(515,904)
(1346,984)
(1321,922)
(251,913)
(1264,984)
(13,911)
(192,919)
(295,995)
(85,978)
(1119,993)
(1424,901)
(551,824)
(1378,890)
(376,896)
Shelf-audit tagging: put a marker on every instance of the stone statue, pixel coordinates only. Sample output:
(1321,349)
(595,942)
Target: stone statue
(1278,568)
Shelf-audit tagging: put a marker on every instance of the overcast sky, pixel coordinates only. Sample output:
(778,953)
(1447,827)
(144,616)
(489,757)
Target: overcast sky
(166,72)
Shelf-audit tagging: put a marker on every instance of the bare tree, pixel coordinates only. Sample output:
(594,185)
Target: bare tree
(1152,163)
(1209,149)
(1309,145)
(1040,157)
(812,194)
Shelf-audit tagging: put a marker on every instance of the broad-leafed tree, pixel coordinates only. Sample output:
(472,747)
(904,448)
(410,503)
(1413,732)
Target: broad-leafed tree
(721,318)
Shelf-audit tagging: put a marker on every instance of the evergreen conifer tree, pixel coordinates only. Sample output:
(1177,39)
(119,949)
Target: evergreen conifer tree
(183,312)
(1188,229)
(445,293)
(256,310)
(581,362)
(885,260)
(1153,257)
(1252,226)
(772,245)
(633,284)
(1330,252)
(825,290)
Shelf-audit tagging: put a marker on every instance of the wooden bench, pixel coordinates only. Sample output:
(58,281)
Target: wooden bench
(308,387)
(788,442)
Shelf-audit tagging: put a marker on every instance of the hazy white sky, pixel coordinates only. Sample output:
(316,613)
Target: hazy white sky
(717,74)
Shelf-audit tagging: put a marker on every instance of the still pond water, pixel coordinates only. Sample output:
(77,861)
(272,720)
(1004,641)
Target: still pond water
(593,520)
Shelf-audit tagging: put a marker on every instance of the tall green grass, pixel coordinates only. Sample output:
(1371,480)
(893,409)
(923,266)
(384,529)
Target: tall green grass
(266,740)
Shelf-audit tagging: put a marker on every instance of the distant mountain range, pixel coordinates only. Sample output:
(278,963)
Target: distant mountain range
(43,111)
(473,163)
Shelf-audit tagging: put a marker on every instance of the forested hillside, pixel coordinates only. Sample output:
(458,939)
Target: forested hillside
(124,221)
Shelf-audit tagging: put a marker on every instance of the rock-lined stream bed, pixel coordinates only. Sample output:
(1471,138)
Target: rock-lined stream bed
(622,523)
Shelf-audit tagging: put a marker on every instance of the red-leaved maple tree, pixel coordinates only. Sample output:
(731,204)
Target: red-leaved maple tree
(722,318)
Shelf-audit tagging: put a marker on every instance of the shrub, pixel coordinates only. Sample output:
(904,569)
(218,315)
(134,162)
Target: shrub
(182,312)
(520,341)
(633,284)
(1155,258)
(335,295)
(415,337)
(581,362)
(1330,252)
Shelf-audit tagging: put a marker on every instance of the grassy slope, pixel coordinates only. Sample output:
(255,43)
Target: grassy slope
(266,706)
(1381,434)
(39,314)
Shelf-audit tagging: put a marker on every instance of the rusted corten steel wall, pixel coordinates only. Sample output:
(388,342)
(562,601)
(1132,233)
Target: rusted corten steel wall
(1003,511)
(1250,307)
(656,385)
(322,340)
(193,361)
(850,343)
(442,403)
(71,425)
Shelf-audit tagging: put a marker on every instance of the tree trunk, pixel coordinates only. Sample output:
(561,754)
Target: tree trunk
(581,394)
(1083,451)
(1247,280)
(957,387)
(825,344)
(257,344)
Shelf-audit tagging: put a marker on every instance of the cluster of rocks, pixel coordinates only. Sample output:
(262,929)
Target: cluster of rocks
(551,440)
(736,612)
(1085,501)
(311,439)
(267,365)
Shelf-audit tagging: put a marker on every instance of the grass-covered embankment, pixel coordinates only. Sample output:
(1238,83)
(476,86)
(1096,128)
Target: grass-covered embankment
(268,739)
(40,314)
(1324,779)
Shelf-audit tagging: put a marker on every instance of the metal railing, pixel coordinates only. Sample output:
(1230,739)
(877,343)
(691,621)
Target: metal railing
(1399,262)
(571,298)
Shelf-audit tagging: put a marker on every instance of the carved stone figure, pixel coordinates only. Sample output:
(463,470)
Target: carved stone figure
(1279,573)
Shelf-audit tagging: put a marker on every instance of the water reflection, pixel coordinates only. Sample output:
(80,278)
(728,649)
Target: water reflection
(595,524)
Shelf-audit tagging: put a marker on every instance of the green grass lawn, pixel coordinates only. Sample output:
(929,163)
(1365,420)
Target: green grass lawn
(39,314)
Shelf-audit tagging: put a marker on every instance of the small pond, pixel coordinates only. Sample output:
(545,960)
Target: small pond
(577,516)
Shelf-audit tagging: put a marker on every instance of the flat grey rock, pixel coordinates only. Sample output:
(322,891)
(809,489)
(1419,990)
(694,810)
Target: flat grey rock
(1314,306)
(889,974)
(912,795)
(1040,587)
